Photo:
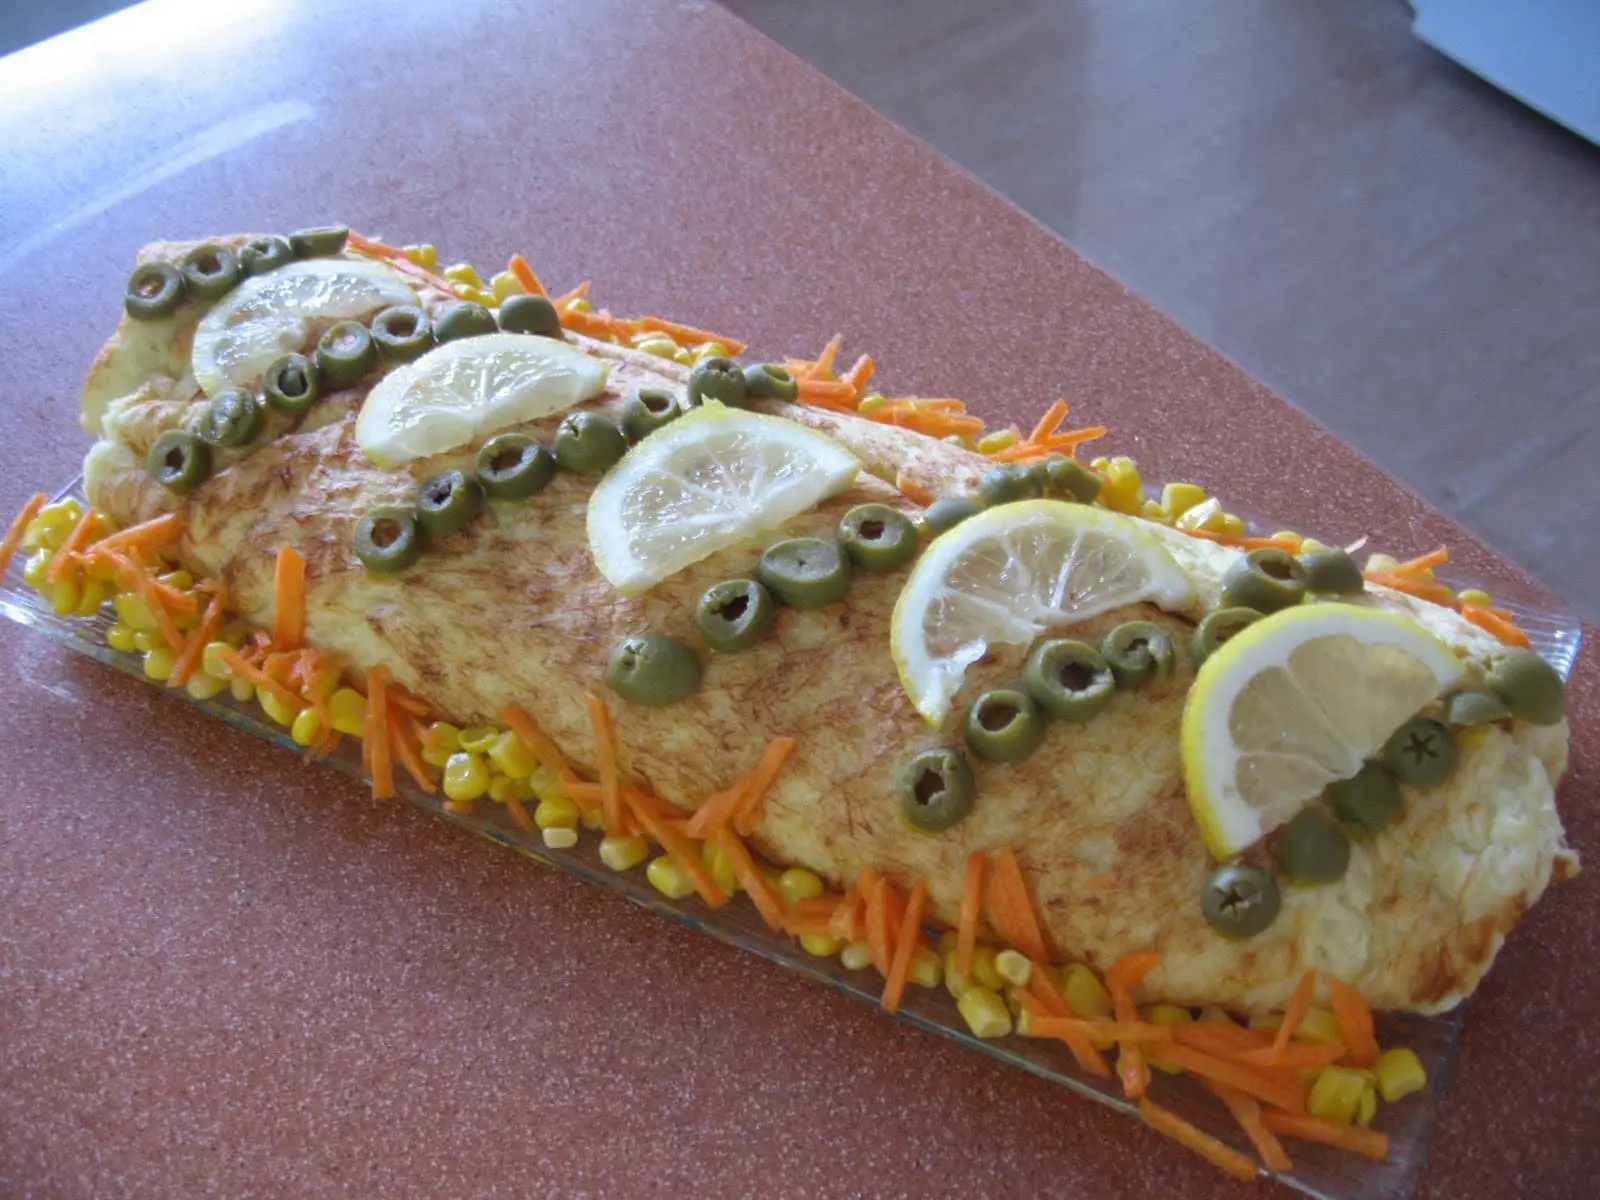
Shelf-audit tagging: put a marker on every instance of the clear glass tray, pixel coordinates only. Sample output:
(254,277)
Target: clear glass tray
(1319,1171)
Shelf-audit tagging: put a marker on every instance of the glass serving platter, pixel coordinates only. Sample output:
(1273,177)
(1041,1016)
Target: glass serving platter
(1320,1171)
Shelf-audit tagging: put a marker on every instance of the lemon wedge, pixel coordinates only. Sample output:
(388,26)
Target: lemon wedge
(705,482)
(1007,575)
(469,388)
(1294,702)
(266,316)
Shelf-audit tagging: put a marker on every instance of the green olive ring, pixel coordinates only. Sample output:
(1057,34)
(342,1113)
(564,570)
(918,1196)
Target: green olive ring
(805,572)
(447,502)
(1004,725)
(653,670)
(1068,479)
(878,538)
(1138,652)
(210,270)
(514,466)
(263,254)
(770,381)
(402,333)
(1267,580)
(179,460)
(291,384)
(587,441)
(735,614)
(1069,679)
(530,314)
(936,790)
(716,379)
(1216,628)
(155,289)
(346,352)
(232,419)
(648,410)
(947,512)
(388,540)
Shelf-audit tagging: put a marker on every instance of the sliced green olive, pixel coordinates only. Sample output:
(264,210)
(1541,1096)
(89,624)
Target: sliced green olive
(388,540)
(263,254)
(735,614)
(936,790)
(716,379)
(1332,572)
(155,289)
(179,460)
(1313,849)
(1266,580)
(1004,725)
(878,538)
(1240,900)
(949,511)
(653,670)
(1369,800)
(1476,708)
(1529,685)
(771,381)
(586,441)
(1421,752)
(233,418)
(646,411)
(1006,483)
(1069,679)
(447,502)
(462,319)
(530,314)
(291,384)
(1216,628)
(513,466)
(402,333)
(210,270)
(1138,653)
(321,242)
(1066,478)
(346,352)
(805,572)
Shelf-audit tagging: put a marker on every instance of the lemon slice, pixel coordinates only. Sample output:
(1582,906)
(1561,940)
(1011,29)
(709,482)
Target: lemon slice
(1007,575)
(265,316)
(1294,702)
(704,483)
(469,388)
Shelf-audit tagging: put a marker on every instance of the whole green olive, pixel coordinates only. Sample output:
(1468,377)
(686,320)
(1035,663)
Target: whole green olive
(1529,686)
(936,790)
(530,314)
(770,381)
(462,319)
(587,441)
(1240,900)
(1368,800)
(323,241)
(947,512)
(1068,479)
(653,670)
(716,379)
(1006,483)
(1332,572)
(1313,849)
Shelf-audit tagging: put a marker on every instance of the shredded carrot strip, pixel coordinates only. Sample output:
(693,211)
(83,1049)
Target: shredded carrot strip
(822,366)
(1294,1055)
(406,752)
(519,268)
(157,531)
(688,334)
(534,738)
(1423,562)
(1116,1031)
(378,730)
(1492,622)
(1130,969)
(1355,1022)
(761,779)
(605,742)
(1042,991)
(397,259)
(519,812)
(912,490)
(1242,541)
(1012,910)
(67,552)
(1223,1040)
(1023,451)
(1049,422)
(719,807)
(883,919)
(1314,1129)
(928,404)
(1298,1002)
(255,675)
(768,903)
(678,846)
(594,324)
(894,984)
(1280,1088)
(202,633)
(812,390)
(566,299)
(1120,978)
(402,699)
(145,584)
(858,375)
(1246,1111)
(1437,593)
(971,910)
(929,422)
(288,598)
(1238,1165)
(18,527)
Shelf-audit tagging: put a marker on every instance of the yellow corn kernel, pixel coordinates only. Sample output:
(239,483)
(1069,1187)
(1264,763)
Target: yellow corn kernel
(204,686)
(242,690)
(325,682)
(948,940)
(306,728)
(1319,1025)
(501,788)
(1289,535)
(1399,1074)
(277,708)
(1206,516)
(132,611)
(104,570)
(710,350)
(991,443)
(463,272)
(1307,545)
(1085,995)
(211,660)
(158,663)
(481,296)
(819,945)
(652,342)
(984,971)
(623,853)
(466,776)
(1013,998)
(984,1012)
(424,254)
(1212,1013)
(1166,1015)
(504,284)
(797,884)
(119,637)
(36,572)
(954,981)
(1382,562)
(668,878)
(476,738)
(557,812)
(1475,596)
(348,709)
(721,867)
(147,639)
(683,356)
(857,956)
(64,597)
(872,402)
(581,304)
(179,579)
(1232,525)
(1265,1020)
(926,968)
(1336,1095)
(593,819)
(1122,488)
(1099,465)
(91,595)
(447,735)
(1152,511)
(511,755)
(1368,1108)
(558,837)
(1014,968)
(1179,498)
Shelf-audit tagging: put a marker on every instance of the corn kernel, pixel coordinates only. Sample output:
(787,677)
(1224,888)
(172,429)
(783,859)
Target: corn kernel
(1289,536)
(668,878)
(984,1012)
(558,837)
(797,884)
(1399,1074)
(424,254)
(204,686)
(557,812)
(954,981)
(581,304)
(276,707)
(658,344)
(1152,511)
(871,403)
(348,709)
(1319,1025)
(179,579)
(1307,545)
(133,612)
(927,969)
(984,971)
(104,570)
(1013,998)
(819,945)
(511,755)
(1099,465)
(683,356)
(159,663)
(948,941)
(1166,1015)
(1232,525)
(710,350)
(1014,968)
(1179,498)
(91,595)
(1212,1013)
(857,956)
(1085,995)
(721,867)
(242,690)
(476,738)
(1265,1020)
(466,776)
(1368,1108)
(36,572)
(119,637)
(1206,516)
(463,272)
(593,819)
(993,443)
(1382,562)
(478,295)
(1122,488)
(307,727)
(1336,1095)
(623,853)
(447,735)
(147,639)
(1475,596)
(504,284)
(64,597)
(502,788)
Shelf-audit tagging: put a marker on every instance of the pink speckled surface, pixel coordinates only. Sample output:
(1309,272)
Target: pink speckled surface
(223,974)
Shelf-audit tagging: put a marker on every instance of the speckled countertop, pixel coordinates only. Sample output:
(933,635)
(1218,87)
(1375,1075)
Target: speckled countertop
(224,974)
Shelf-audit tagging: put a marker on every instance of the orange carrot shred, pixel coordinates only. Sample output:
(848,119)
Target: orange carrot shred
(1298,1002)
(768,903)
(398,697)
(971,910)
(1132,1066)
(202,633)
(822,366)
(145,584)
(1118,1030)
(1355,1022)
(681,850)
(719,807)
(812,390)
(761,779)
(858,375)
(397,259)
(1423,562)
(157,531)
(1280,1089)
(378,730)
(906,939)
(289,598)
(1246,1111)
(534,738)
(1238,1165)
(1314,1129)
(688,334)
(1050,1002)
(883,909)
(1294,1055)
(1491,622)
(1242,541)
(519,812)
(18,527)
(519,268)
(1012,910)
(1223,1040)
(567,299)
(401,743)
(1023,451)
(255,675)
(605,742)
(912,490)
(594,324)
(1436,593)
(67,552)
(1048,423)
